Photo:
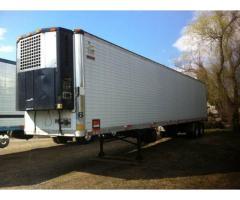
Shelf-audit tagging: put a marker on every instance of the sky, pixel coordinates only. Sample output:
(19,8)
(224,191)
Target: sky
(153,34)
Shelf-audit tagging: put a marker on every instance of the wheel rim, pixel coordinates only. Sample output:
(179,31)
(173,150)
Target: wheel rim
(4,139)
(87,137)
(195,130)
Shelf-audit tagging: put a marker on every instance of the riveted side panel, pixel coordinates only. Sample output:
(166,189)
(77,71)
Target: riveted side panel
(123,88)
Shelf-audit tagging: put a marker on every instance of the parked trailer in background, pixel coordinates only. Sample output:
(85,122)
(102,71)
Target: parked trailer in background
(75,84)
(11,121)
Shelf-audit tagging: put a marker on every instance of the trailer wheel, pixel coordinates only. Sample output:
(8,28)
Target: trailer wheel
(4,140)
(193,130)
(149,135)
(171,130)
(197,130)
(201,127)
(55,140)
(61,140)
(84,140)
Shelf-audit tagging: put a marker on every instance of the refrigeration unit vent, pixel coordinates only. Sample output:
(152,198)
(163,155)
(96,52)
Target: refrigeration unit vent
(30,54)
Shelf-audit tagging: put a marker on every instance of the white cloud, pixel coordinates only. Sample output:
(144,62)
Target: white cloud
(190,42)
(6,48)
(2,33)
(187,42)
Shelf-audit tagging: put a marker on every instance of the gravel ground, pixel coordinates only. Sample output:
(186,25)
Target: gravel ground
(209,162)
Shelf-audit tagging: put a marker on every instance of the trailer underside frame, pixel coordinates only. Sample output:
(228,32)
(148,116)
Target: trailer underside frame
(193,130)
(103,138)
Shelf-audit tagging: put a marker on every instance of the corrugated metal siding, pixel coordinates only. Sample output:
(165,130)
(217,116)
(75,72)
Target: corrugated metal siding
(8,95)
(123,88)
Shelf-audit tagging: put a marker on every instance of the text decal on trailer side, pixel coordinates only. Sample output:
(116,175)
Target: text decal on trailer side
(86,85)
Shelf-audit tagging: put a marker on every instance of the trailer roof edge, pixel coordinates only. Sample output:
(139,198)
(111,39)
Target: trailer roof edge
(7,61)
(81,31)
(42,30)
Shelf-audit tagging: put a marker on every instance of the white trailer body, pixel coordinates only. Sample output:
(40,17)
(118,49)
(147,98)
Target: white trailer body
(119,89)
(125,89)
(10,119)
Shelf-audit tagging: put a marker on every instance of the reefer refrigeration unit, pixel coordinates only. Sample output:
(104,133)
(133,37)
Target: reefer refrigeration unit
(75,84)
(11,121)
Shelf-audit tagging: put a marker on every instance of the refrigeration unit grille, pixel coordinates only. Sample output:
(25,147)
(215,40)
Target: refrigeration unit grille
(30,53)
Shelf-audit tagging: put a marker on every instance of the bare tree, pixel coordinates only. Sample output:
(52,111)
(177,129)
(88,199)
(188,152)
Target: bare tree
(216,60)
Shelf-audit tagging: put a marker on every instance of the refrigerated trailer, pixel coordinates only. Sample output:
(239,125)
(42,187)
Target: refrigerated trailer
(73,84)
(11,121)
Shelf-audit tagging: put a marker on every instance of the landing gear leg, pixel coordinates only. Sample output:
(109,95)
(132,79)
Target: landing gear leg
(101,141)
(139,147)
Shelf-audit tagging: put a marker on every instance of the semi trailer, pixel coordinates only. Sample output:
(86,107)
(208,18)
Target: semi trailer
(11,121)
(73,84)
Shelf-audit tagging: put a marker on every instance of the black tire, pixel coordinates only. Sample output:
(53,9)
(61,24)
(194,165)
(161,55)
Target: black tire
(201,127)
(21,135)
(193,130)
(162,134)
(61,140)
(55,140)
(149,135)
(4,140)
(84,140)
(171,131)
(197,130)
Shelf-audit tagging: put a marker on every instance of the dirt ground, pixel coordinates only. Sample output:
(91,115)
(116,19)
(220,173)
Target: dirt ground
(209,162)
